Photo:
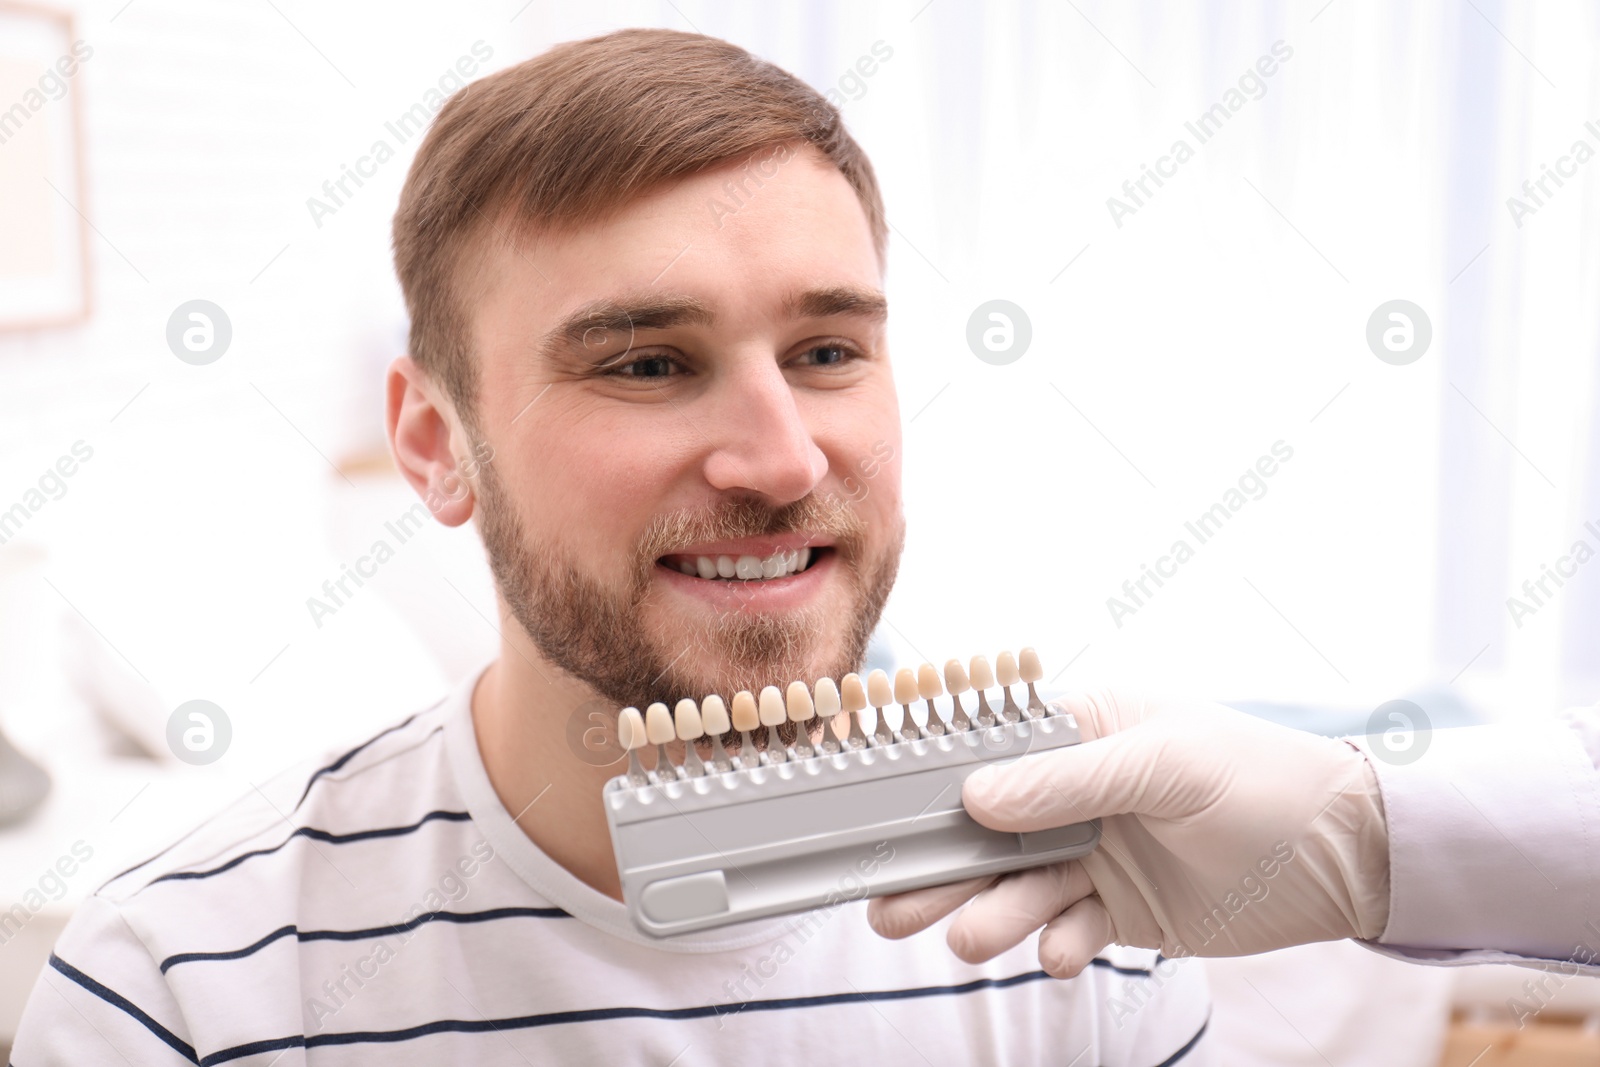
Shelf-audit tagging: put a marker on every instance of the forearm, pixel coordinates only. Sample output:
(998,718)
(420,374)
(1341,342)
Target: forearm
(1494,842)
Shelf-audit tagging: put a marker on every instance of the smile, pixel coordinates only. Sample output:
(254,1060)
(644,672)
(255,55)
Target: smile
(745,568)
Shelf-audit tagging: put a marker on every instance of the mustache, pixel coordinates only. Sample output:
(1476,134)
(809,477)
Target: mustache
(740,517)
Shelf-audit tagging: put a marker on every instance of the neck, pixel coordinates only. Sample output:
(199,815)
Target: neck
(522,709)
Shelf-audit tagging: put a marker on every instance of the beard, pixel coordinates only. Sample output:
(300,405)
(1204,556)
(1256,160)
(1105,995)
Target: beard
(595,631)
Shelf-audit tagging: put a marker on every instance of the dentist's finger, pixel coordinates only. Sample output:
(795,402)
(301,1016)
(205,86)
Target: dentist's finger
(1003,915)
(1074,938)
(903,914)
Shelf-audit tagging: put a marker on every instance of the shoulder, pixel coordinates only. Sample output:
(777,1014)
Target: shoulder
(371,785)
(338,843)
(238,887)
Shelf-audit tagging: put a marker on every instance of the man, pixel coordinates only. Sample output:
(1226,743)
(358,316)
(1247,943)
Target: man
(645,281)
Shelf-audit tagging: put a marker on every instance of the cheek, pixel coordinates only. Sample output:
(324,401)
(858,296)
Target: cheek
(594,483)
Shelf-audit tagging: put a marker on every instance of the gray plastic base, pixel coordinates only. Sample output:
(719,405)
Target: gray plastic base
(731,846)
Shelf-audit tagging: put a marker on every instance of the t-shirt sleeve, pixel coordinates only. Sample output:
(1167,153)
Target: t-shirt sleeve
(1494,843)
(101,1000)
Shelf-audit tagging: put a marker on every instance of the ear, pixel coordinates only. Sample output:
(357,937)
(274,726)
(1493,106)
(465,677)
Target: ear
(428,443)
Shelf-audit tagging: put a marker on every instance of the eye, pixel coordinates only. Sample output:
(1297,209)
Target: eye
(827,355)
(646,367)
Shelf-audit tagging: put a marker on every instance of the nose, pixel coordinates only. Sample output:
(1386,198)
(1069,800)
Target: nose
(760,440)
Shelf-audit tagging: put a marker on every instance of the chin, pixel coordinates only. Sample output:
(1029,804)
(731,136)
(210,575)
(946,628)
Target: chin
(755,656)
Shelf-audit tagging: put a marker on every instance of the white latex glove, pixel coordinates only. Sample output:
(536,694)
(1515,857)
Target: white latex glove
(1221,835)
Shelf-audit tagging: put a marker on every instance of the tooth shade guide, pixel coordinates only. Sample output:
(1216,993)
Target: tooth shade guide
(660,731)
(795,706)
(714,718)
(1005,670)
(690,728)
(631,732)
(826,701)
(982,676)
(773,715)
(980,673)
(880,694)
(1030,670)
(797,698)
(745,719)
(905,694)
(853,695)
(929,688)
(791,826)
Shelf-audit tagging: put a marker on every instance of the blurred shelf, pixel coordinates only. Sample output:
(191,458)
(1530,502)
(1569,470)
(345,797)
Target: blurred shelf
(1563,1042)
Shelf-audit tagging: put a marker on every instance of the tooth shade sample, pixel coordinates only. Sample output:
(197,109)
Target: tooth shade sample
(827,698)
(928,684)
(745,716)
(905,686)
(852,693)
(982,674)
(1029,667)
(687,718)
(799,700)
(879,693)
(658,724)
(773,712)
(955,677)
(1005,669)
(630,729)
(714,715)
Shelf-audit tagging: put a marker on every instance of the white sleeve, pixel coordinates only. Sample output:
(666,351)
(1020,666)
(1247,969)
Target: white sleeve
(101,1000)
(1494,845)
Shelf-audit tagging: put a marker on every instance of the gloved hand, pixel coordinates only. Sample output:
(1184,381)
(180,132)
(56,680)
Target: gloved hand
(1221,835)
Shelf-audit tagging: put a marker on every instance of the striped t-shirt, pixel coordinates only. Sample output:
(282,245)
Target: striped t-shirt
(386,909)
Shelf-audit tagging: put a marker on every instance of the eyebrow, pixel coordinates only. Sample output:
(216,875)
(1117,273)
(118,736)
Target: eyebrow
(834,300)
(629,314)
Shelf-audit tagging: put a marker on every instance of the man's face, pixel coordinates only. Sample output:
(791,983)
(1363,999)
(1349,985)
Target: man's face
(698,384)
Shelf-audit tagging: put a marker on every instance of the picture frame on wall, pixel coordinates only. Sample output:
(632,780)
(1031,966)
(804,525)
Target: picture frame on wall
(44,234)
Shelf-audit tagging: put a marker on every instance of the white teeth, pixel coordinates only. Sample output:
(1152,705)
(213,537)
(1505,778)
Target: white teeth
(748,568)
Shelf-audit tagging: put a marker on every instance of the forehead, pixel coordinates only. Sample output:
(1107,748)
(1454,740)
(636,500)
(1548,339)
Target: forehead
(742,239)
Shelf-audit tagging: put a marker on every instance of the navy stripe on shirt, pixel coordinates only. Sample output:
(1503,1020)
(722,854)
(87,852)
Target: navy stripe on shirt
(1132,972)
(111,996)
(316,835)
(1188,1046)
(329,769)
(489,915)
(361,1037)
(523,1022)
(348,756)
